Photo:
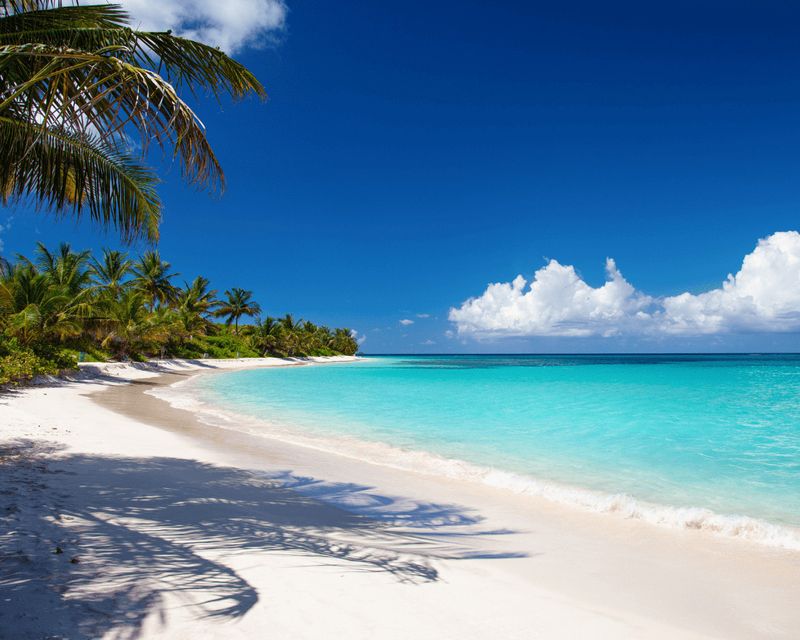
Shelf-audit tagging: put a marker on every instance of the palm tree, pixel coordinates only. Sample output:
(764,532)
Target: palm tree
(130,327)
(193,305)
(35,308)
(344,342)
(325,337)
(289,324)
(238,302)
(152,278)
(64,267)
(198,296)
(266,335)
(290,335)
(109,274)
(76,84)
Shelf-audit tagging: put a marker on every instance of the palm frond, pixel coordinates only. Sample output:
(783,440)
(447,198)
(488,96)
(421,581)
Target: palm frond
(108,184)
(80,91)
(31,21)
(193,64)
(182,62)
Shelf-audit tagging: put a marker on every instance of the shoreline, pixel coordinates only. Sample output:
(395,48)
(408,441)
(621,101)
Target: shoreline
(746,528)
(427,554)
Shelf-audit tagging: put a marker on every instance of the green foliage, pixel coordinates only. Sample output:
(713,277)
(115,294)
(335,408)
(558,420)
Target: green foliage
(223,345)
(64,306)
(21,363)
(21,366)
(84,351)
(287,337)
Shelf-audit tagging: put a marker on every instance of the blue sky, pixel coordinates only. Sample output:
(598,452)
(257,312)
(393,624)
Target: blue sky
(412,153)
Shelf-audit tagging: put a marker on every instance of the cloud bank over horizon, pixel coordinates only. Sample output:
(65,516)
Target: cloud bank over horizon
(763,296)
(230,25)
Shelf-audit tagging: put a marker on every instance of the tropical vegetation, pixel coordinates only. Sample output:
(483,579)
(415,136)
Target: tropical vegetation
(62,306)
(82,98)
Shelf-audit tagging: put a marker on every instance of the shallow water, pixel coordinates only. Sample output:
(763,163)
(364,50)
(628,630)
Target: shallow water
(673,439)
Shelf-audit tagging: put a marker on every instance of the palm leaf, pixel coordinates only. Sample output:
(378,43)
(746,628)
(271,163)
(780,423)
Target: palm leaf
(77,174)
(182,62)
(44,20)
(193,64)
(80,91)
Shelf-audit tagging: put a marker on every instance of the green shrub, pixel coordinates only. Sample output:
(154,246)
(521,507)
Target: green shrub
(22,363)
(223,345)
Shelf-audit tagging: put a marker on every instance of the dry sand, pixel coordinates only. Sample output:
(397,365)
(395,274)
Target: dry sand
(123,517)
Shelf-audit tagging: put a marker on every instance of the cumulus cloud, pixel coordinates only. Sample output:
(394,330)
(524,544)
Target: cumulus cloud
(764,296)
(228,24)
(360,338)
(406,321)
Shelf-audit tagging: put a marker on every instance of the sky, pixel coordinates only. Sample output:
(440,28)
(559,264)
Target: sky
(497,177)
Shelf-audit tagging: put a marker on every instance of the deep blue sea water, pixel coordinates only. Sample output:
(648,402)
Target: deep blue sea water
(693,440)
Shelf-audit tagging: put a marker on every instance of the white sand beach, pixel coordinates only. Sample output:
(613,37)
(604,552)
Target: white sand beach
(124,517)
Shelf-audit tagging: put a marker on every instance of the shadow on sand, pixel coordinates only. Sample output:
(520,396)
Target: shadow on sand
(94,544)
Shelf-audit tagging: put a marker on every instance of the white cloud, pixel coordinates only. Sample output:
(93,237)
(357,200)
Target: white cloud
(764,296)
(228,24)
(406,321)
(423,315)
(427,343)
(557,302)
(358,337)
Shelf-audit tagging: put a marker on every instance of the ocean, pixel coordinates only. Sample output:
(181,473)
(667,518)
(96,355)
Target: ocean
(692,441)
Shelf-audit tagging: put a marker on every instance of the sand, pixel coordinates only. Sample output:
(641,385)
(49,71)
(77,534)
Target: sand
(123,517)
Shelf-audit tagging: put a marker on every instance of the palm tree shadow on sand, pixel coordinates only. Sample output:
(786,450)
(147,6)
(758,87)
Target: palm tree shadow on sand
(94,544)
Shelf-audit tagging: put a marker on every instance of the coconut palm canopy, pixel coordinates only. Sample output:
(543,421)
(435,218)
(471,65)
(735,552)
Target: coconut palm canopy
(60,305)
(83,96)
(238,302)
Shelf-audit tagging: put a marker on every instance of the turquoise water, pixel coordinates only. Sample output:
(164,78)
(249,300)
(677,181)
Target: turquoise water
(720,433)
